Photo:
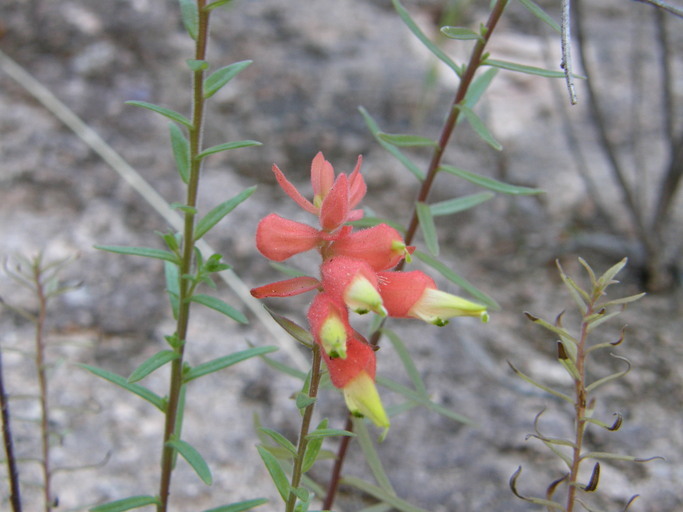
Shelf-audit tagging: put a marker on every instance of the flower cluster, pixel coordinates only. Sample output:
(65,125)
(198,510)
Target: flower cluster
(355,275)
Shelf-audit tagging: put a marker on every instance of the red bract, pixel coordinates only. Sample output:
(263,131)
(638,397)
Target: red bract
(329,321)
(354,282)
(380,246)
(286,288)
(278,238)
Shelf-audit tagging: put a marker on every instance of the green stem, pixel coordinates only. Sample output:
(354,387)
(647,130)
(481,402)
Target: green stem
(446,132)
(297,472)
(176,379)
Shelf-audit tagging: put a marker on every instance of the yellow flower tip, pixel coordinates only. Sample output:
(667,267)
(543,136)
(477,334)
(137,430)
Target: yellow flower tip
(362,297)
(363,400)
(333,337)
(484,317)
(436,307)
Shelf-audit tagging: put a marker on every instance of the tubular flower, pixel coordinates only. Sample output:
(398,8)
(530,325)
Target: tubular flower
(355,376)
(415,295)
(354,283)
(278,238)
(380,246)
(329,321)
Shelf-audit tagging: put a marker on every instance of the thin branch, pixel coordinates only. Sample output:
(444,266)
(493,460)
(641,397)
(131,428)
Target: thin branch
(567,63)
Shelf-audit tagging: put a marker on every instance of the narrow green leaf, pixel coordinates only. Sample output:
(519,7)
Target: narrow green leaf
(218,305)
(461,33)
(297,332)
(329,432)
(148,366)
(212,6)
(422,400)
(371,456)
(170,114)
(456,279)
(537,11)
(438,52)
(303,400)
(406,141)
(197,65)
(276,472)
(610,378)
(407,361)
(190,17)
(222,76)
(212,218)
(545,388)
(280,440)
(479,86)
(145,252)
(283,368)
(193,458)
(242,505)
(607,278)
(393,150)
(459,204)
(225,361)
(381,494)
(427,226)
(126,504)
(181,152)
(313,448)
(623,300)
(479,127)
(227,147)
(522,68)
(490,183)
(136,389)
(172,286)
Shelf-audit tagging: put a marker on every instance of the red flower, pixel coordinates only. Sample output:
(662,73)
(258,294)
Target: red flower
(329,321)
(278,238)
(286,288)
(380,246)
(353,282)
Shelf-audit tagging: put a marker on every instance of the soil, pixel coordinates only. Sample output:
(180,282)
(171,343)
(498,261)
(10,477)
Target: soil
(314,64)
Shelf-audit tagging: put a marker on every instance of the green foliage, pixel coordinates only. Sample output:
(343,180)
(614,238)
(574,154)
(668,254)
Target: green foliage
(224,362)
(221,306)
(126,504)
(145,252)
(190,17)
(136,389)
(277,474)
(227,146)
(170,114)
(193,458)
(427,226)
(206,223)
(221,77)
(479,127)
(151,364)
(241,506)
(181,152)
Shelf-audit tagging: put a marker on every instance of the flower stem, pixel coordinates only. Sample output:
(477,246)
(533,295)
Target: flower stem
(185,286)
(297,472)
(446,132)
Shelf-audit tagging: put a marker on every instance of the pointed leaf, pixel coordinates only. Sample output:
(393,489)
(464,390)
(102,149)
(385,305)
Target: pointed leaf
(608,277)
(172,286)
(438,52)
(136,389)
(212,218)
(371,456)
(489,183)
(220,306)
(193,458)
(522,68)
(479,86)
(126,504)
(611,377)
(222,76)
(479,127)
(225,361)
(329,432)
(227,147)
(181,152)
(313,448)
(210,7)
(539,385)
(381,494)
(276,472)
(393,150)
(148,366)
(190,17)
(297,332)
(170,114)
(197,65)
(145,252)
(537,11)
(461,33)
(455,278)
(406,141)
(280,439)
(242,505)
(427,226)
(459,204)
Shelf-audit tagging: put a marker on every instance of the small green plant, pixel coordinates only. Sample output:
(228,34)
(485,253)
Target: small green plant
(573,354)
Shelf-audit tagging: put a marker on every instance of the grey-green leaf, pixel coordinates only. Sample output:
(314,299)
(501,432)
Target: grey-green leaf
(522,68)
(225,361)
(190,17)
(210,7)
(479,86)
(406,141)
(151,364)
(280,439)
(459,204)
(145,252)
(479,127)
(537,11)
(212,218)
(136,389)
(424,216)
(126,504)
(490,183)
(227,147)
(461,33)
(313,448)
(170,114)
(193,458)
(222,76)
(276,472)
(242,505)
(181,152)
(221,306)
(329,432)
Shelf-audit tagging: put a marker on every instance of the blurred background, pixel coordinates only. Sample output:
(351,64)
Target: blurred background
(609,167)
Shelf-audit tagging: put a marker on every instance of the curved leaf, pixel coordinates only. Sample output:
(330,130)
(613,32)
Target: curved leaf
(181,152)
(190,17)
(126,504)
(523,68)
(490,183)
(220,77)
(136,389)
(427,226)
(227,146)
(459,204)
(171,114)
(242,505)
(461,33)
(221,306)
(212,218)
(151,364)
(193,458)
(537,11)
(406,141)
(225,361)
(478,125)
(276,472)
(145,252)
